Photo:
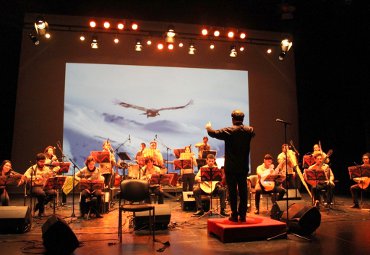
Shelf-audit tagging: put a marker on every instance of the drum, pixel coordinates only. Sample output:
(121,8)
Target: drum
(134,171)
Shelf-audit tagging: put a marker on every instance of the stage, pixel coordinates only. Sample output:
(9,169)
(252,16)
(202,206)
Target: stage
(342,231)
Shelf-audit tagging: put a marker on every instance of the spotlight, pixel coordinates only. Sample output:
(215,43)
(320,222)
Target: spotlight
(47,35)
(120,26)
(216,33)
(181,45)
(191,49)
(241,48)
(138,46)
(116,40)
(41,26)
(149,42)
(233,52)
(106,25)
(285,47)
(160,46)
(230,34)
(204,31)
(134,26)
(170,46)
(34,39)
(92,24)
(94,42)
(242,35)
(170,35)
(269,51)
(212,46)
(82,38)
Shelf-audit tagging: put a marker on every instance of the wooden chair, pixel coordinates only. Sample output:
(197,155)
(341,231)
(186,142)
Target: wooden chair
(131,199)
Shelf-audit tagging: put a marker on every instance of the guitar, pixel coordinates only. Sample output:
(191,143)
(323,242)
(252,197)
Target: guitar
(363,182)
(208,186)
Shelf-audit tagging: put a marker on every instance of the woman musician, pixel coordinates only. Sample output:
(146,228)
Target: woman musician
(289,169)
(187,175)
(91,173)
(37,176)
(146,174)
(106,168)
(6,173)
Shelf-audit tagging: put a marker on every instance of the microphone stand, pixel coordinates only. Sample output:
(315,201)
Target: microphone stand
(167,149)
(116,152)
(286,185)
(73,187)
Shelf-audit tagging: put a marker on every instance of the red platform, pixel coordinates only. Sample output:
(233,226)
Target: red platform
(255,228)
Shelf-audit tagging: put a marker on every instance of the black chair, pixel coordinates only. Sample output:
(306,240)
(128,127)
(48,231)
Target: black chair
(131,199)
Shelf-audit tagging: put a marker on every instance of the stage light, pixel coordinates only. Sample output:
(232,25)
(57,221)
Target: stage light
(242,35)
(92,24)
(47,35)
(204,31)
(116,40)
(134,26)
(138,46)
(241,48)
(211,46)
(120,26)
(268,51)
(216,33)
(160,46)
(34,39)
(149,42)
(41,26)
(181,45)
(106,25)
(94,43)
(82,38)
(192,49)
(285,47)
(170,46)
(230,34)
(170,35)
(233,52)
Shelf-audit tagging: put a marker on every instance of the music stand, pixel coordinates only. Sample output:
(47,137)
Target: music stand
(210,174)
(315,176)
(63,166)
(161,179)
(91,185)
(205,153)
(55,183)
(101,156)
(182,164)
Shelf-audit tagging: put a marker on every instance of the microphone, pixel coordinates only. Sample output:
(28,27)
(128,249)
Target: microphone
(283,121)
(291,143)
(129,138)
(155,136)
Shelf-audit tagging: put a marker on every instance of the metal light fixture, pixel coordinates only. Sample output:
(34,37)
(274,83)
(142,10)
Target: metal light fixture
(138,46)
(34,39)
(285,47)
(233,52)
(192,49)
(94,43)
(41,26)
(170,34)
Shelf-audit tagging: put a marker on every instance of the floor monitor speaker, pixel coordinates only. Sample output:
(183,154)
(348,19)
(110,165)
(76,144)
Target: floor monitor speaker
(162,218)
(15,219)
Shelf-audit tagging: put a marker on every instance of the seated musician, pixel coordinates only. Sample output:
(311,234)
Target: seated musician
(92,173)
(362,184)
(187,175)
(317,150)
(292,163)
(317,186)
(37,176)
(6,172)
(268,187)
(206,187)
(154,153)
(106,168)
(146,174)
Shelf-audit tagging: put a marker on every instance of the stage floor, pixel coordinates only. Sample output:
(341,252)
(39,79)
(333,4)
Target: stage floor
(342,231)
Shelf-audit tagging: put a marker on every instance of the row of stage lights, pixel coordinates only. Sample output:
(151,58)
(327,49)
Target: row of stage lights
(167,39)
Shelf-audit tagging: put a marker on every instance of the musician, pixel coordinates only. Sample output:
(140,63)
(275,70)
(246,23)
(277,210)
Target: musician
(318,185)
(106,168)
(292,162)
(155,154)
(187,175)
(141,152)
(38,174)
(6,172)
(203,146)
(317,150)
(205,187)
(356,188)
(268,187)
(237,146)
(92,173)
(146,174)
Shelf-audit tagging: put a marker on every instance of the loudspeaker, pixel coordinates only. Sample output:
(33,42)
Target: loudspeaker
(293,194)
(162,218)
(301,219)
(15,219)
(188,201)
(58,237)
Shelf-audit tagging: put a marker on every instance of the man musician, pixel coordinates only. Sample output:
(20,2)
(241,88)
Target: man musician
(37,176)
(202,146)
(154,154)
(363,183)
(146,174)
(206,187)
(288,165)
(268,187)
(91,173)
(318,185)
